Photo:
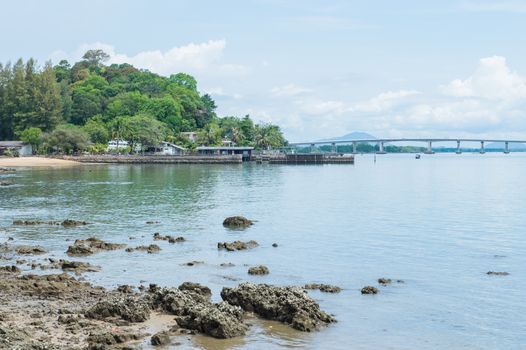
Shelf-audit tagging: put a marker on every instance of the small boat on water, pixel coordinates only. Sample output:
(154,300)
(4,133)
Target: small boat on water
(417,156)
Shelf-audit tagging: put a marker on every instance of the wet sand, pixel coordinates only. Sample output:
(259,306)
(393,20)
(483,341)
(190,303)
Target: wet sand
(36,162)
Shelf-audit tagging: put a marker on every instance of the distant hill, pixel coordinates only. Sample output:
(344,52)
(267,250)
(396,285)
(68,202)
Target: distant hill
(512,146)
(357,135)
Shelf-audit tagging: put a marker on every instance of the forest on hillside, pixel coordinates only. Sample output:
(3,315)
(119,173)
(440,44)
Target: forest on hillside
(70,108)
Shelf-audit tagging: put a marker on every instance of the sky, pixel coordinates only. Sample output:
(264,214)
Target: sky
(319,69)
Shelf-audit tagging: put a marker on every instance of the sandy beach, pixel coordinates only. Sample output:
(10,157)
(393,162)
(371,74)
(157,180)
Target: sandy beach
(35,162)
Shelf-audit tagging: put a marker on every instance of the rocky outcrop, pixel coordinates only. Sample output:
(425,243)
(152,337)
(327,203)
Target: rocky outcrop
(193,310)
(150,249)
(237,245)
(129,308)
(65,223)
(290,305)
(11,269)
(30,250)
(369,290)
(160,338)
(258,270)
(108,340)
(326,288)
(237,222)
(91,245)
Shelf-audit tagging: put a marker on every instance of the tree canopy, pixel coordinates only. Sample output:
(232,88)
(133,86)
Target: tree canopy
(102,102)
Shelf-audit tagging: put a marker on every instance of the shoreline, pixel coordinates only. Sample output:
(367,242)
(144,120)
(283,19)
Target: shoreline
(36,162)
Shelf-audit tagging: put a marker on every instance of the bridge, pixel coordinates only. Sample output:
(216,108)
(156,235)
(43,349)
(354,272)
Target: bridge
(429,141)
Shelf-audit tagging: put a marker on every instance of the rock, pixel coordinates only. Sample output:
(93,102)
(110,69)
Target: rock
(160,338)
(150,249)
(290,305)
(196,288)
(193,263)
(326,288)
(124,288)
(91,245)
(73,223)
(157,236)
(128,308)
(275,245)
(12,269)
(227,265)
(237,222)
(369,290)
(105,340)
(152,222)
(497,273)
(237,245)
(7,170)
(29,250)
(384,281)
(67,265)
(6,183)
(195,312)
(258,270)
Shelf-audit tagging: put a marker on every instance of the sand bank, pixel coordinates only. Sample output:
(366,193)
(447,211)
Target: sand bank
(35,162)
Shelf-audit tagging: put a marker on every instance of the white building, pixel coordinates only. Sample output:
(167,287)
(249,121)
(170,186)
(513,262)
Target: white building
(190,135)
(167,149)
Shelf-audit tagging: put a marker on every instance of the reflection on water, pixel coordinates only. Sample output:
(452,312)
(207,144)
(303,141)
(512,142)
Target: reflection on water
(439,223)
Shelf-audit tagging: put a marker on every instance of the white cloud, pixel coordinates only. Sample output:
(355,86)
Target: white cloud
(384,101)
(192,58)
(491,80)
(288,90)
(219,91)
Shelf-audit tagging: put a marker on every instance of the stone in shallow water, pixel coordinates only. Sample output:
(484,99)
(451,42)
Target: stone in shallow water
(258,270)
(497,273)
(369,290)
(237,222)
(326,288)
(290,305)
(237,245)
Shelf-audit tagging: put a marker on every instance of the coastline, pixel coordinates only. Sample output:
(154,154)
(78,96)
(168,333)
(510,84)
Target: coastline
(36,162)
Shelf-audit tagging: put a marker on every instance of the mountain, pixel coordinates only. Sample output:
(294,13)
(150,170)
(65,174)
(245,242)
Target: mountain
(356,135)
(512,146)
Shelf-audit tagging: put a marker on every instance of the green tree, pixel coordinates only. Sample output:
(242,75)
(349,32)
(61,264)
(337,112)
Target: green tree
(32,136)
(210,135)
(96,58)
(66,138)
(97,130)
(268,136)
(140,129)
(185,80)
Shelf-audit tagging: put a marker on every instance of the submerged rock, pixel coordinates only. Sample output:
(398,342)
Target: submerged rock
(290,305)
(91,245)
(326,288)
(65,223)
(384,281)
(369,290)
(275,245)
(106,340)
(237,245)
(6,183)
(152,222)
(77,266)
(160,338)
(258,270)
(150,249)
(72,223)
(237,222)
(30,250)
(171,239)
(497,273)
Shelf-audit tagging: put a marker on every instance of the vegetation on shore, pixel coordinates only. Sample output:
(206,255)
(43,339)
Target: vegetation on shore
(70,108)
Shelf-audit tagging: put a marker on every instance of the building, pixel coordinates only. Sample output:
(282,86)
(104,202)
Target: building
(190,135)
(166,149)
(246,152)
(15,148)
(114,145)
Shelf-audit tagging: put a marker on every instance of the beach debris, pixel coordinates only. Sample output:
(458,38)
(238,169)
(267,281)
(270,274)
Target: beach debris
(237,245)
(237,222)
(326,288)
(369,290)
(258,270)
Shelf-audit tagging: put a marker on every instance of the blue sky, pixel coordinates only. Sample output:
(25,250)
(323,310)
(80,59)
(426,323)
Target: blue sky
(318,68)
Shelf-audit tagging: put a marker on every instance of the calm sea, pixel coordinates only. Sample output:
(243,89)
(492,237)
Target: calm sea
(438,223)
